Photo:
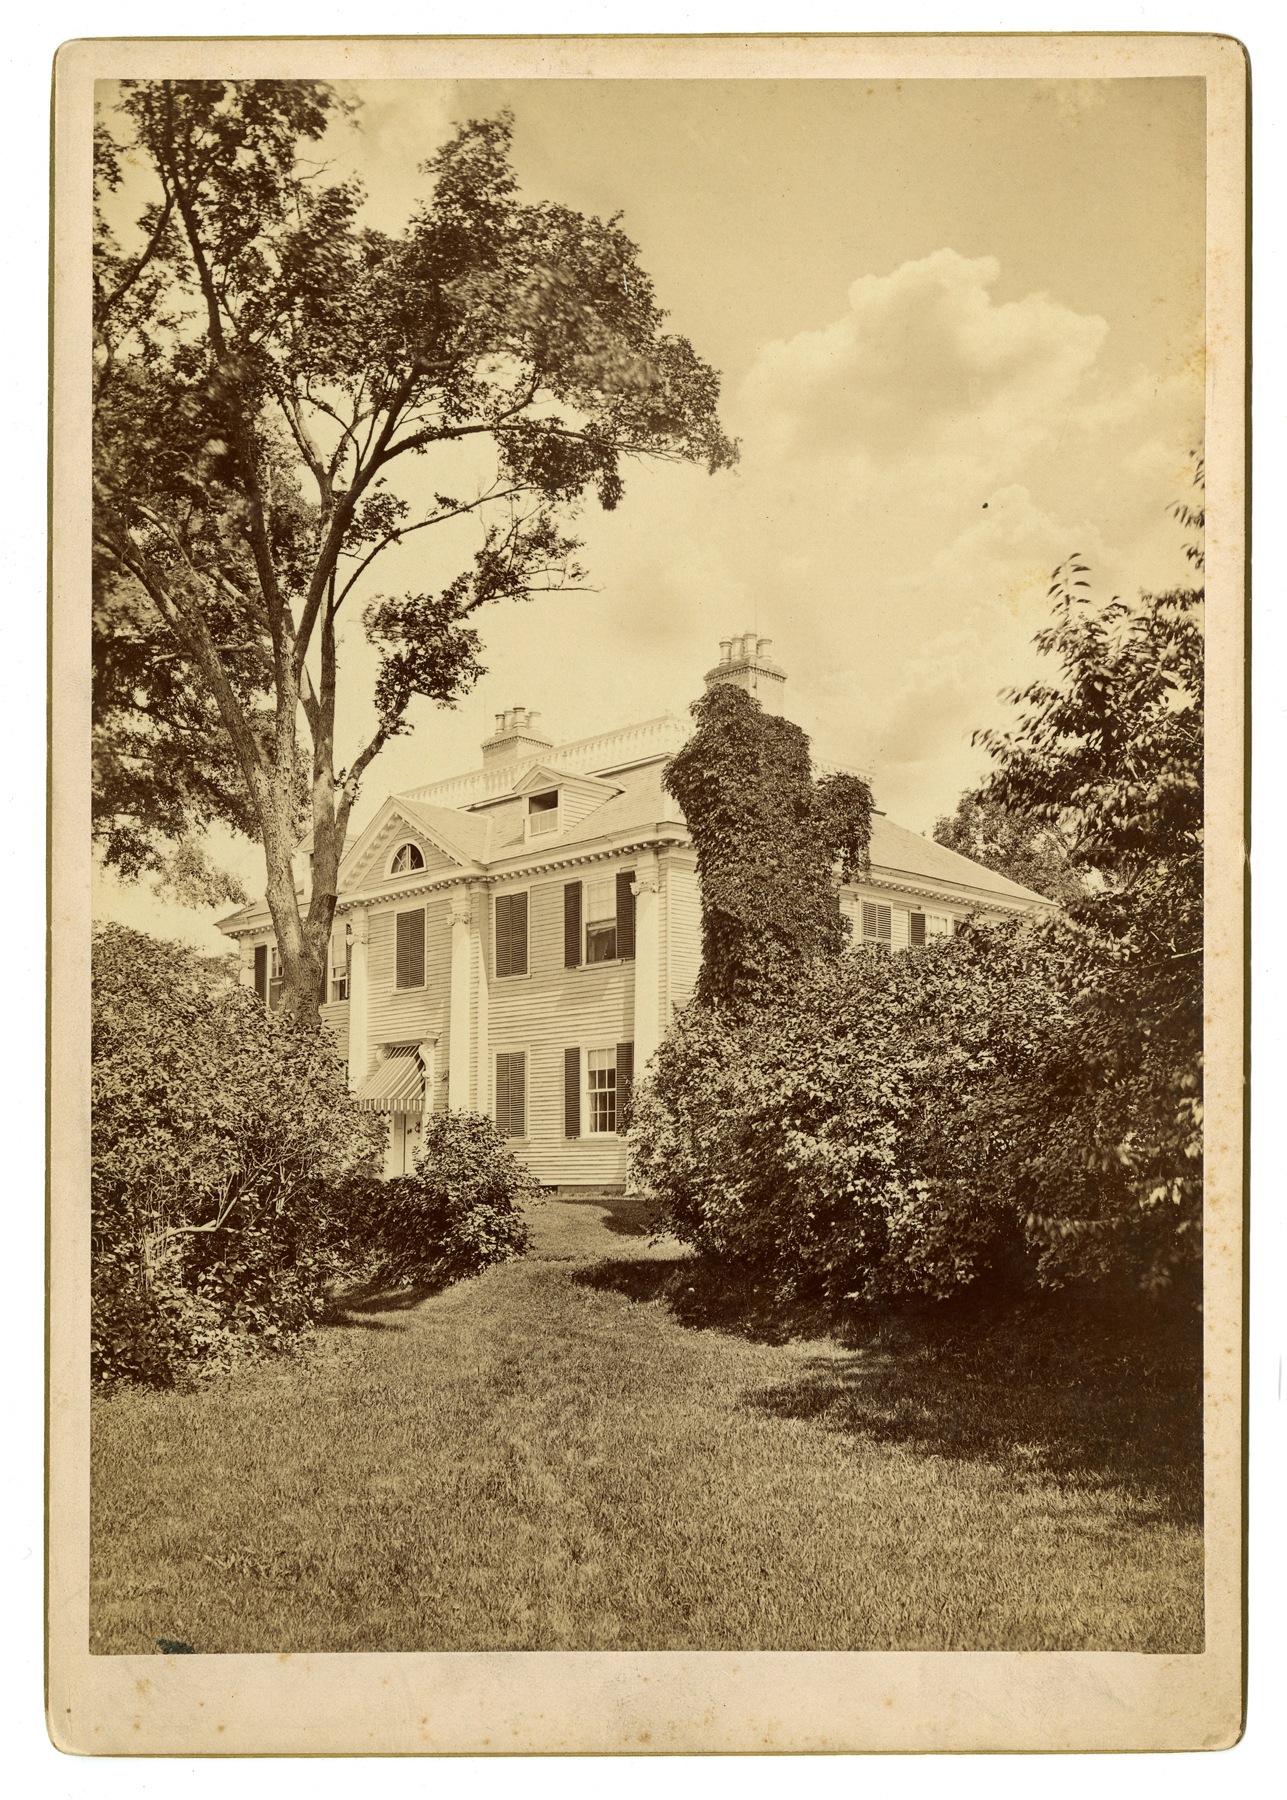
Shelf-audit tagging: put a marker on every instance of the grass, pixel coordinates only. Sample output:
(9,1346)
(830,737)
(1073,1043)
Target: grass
(605,1447)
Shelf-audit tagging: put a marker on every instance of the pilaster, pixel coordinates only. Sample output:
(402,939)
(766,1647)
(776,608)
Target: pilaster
(359,990)
(647,960)
(479,902)
(458,1050)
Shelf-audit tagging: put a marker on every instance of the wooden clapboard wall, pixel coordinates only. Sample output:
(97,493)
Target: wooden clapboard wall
(335,1016)
(407,1016)
(679,897)
(549,1010)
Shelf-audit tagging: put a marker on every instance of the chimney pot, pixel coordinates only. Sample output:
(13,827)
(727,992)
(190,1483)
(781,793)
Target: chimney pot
(726,650)
(763,647)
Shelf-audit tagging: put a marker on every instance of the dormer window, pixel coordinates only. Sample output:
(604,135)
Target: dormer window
(542,814)
(410,857)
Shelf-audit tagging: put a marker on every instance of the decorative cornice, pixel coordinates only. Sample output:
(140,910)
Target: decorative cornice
(976,898)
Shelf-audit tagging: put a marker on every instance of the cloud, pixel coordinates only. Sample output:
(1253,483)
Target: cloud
(919,352)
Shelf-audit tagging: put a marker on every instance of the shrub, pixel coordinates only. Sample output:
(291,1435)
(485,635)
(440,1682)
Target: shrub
(459,1213)
(901,1126)
(223,1141)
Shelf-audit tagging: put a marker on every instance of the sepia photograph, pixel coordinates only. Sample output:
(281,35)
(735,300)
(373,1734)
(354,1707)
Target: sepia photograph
(635,676)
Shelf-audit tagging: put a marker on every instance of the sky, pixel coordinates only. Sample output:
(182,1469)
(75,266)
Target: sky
(959,330)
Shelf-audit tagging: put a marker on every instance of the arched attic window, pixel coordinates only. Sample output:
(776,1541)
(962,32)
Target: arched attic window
(408,858)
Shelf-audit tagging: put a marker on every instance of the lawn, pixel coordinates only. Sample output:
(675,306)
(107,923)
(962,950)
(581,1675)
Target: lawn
(603,1448)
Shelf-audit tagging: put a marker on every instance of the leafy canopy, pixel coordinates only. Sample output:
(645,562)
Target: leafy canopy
(283,396)
(1036,856)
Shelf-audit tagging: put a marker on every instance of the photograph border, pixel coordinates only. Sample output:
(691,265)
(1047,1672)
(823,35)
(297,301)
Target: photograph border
(612,1703)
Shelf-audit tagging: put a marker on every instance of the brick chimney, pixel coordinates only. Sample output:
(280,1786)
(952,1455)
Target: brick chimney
(516,736)
(746,662)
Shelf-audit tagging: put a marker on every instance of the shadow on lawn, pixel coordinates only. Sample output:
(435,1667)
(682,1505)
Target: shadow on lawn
(357,1308)
(1116,1423)
(1089,1390)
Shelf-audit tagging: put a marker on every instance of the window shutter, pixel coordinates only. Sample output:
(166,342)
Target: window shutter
(504,954)
(502,1095)
(884,923)
(869,918)
(918,928)
(261,971)
(572,933)
(411,949)
(517,1093)
(518,939)
(625,1082)
(625,914)
(572,1084)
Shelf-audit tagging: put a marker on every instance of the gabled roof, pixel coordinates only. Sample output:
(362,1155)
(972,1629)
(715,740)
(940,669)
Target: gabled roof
(542,776)
(242,915)
(635,803)
(899,851)
(460,837)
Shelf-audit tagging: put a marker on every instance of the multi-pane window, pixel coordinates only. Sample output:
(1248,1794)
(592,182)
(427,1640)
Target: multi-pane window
(542,814)
(600,921)
(410,857)
(601,1087)
(341,963)
(877,926)
(511,1092)
(274,979)
(511,934)
(410,949)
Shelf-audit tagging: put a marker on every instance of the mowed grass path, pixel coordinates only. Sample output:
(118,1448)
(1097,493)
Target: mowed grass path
(560,1455)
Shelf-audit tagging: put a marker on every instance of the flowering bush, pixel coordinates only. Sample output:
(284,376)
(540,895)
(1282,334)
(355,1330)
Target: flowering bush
(460,1212)
(223,1141)
(902,1125)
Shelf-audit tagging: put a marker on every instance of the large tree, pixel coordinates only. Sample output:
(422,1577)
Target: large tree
(279,394)
(1033,854)
(1111,752)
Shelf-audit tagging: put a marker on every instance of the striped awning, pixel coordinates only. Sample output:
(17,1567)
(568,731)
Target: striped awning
(395,1085)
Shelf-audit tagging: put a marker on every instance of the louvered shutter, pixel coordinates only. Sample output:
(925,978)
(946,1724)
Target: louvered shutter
(625,1082)
(517,1092)
(572,1092)
(625,914)
(411,949)
(917,921)
(869,918)
(572,930)
(504,940)
(502,1095)
(518,939)
(261,971)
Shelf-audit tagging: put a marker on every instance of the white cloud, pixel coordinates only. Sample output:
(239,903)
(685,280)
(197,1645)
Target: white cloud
(920,353)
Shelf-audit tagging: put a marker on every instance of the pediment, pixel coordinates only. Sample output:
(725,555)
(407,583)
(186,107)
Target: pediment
(393,825)
(542,776)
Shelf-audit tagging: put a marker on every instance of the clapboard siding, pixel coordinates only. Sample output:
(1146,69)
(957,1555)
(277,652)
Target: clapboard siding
(413,1014)
(681,899)
(545,1012)
(335,1016)
(576,804)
